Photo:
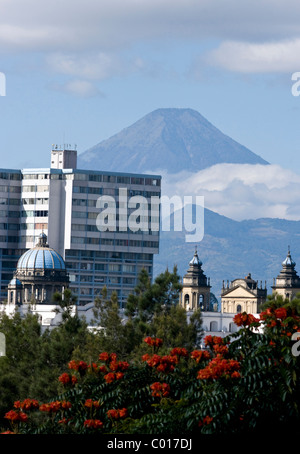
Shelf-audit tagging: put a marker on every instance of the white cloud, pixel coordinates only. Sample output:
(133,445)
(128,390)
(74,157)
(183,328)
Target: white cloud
(97,66)
(269,57)
(81,88)
(92,65)
(241,191)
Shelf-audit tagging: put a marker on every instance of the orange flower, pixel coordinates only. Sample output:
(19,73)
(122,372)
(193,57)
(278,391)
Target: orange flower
(27,404)
(64,421)
(79,366)
(235,374)
(110,377)
(281,313)
(162,363)
(219,367)
(244,319)
(55,406)
(65,378)
(65,405)
(205,421)
(118,365)
(117,413)
(160,389)
(153,341)
(14,416)
(179,352)
(93,423)
(92,403)
(199,355)
(104,356)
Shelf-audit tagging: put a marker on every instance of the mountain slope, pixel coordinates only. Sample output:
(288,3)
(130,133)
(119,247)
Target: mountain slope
(167,139)
(232,249)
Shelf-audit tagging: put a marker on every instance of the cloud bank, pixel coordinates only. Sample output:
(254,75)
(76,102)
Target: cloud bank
(241,191)
(92,41)
(267,57)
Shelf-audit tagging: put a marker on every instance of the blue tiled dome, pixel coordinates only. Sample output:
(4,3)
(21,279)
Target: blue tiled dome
(41,257)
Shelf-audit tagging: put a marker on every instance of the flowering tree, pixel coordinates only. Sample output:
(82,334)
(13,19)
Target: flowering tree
(234,384)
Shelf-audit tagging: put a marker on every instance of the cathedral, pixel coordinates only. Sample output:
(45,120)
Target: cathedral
(240,295)
(41,272)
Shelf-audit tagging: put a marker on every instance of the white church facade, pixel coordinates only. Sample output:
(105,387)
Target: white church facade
(237,296)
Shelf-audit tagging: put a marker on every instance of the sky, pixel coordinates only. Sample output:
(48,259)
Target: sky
(77,72)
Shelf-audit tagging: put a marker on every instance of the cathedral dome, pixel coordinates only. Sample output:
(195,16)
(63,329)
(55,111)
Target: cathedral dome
(41,257)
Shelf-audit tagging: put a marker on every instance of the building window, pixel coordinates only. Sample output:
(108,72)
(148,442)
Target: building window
(186,299)
(201,301)
(232,327)
(213,326)
(239,308)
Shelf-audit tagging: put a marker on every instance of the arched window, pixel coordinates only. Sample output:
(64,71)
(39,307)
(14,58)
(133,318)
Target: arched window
(239,308)
(201,301)
(186,299)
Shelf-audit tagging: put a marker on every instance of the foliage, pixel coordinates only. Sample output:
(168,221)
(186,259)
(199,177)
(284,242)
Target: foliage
(148,299)
(235,384)
(35,359)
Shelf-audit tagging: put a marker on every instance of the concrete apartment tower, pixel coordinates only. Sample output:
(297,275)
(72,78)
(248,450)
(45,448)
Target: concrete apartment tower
(63,202)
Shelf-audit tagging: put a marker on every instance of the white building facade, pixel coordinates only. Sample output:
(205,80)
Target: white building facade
(238,296)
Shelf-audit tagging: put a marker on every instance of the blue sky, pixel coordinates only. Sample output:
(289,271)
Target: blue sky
(78,72)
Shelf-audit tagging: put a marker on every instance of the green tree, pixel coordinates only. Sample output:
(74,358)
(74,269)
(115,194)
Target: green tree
(114,334)
(150,298)
(17,368)
(66,301)
(58,345)
(153,310)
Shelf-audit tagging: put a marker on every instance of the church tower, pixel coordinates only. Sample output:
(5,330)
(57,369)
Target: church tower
(196,287)
(287,283)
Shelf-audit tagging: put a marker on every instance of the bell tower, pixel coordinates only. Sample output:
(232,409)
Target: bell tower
(287,283)
(196,287)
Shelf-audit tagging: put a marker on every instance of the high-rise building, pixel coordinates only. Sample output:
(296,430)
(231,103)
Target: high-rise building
(10,206)
(75,209)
